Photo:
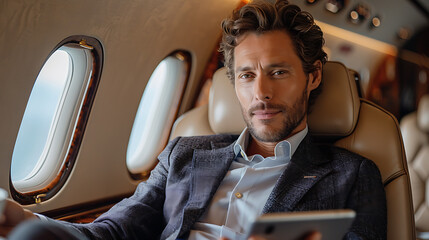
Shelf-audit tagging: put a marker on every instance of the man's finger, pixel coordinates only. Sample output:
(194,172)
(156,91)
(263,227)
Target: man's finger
(314,236)
(255,237)
(4,231)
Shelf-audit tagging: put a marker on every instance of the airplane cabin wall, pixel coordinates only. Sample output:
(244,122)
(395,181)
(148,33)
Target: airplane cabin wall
(136,35)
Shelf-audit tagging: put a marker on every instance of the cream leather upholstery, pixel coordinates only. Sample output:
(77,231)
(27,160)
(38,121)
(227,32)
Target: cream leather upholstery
(415,131)
(338,116)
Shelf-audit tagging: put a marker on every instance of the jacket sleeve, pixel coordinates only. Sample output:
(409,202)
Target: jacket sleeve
(368,199)
(139,216)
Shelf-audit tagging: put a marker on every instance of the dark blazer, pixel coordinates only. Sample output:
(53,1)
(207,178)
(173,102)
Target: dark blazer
(190,170)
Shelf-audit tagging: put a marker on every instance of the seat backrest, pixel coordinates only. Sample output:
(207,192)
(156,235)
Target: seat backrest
(415,131)
(338,116)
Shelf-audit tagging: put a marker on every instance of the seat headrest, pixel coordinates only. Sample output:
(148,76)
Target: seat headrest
(336,109)
(224,109)
(423,113)
(334,112)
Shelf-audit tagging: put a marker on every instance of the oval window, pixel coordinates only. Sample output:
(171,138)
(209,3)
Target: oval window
(54,119)
(40,118)
(156,112)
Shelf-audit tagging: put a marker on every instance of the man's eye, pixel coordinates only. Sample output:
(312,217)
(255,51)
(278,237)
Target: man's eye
(245,76)
(277,73)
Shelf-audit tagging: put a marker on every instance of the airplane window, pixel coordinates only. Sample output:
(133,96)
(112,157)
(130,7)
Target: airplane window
(156,113)
(39,118)
(54,120)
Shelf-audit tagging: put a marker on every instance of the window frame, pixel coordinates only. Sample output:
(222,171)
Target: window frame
(65,144)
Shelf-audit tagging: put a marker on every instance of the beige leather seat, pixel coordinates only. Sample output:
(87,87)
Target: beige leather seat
(415,132)
(338,116)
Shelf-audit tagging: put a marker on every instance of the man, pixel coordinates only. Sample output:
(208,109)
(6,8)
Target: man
(214,186)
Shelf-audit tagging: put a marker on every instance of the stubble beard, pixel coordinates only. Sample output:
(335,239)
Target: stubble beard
(293,116)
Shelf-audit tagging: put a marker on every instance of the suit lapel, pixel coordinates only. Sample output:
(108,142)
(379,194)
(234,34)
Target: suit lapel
(305,169)
(209,167)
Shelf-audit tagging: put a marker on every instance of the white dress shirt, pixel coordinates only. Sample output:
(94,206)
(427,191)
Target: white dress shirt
(245,189)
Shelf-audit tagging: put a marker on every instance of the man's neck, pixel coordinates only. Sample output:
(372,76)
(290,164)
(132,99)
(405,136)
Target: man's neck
(266,149)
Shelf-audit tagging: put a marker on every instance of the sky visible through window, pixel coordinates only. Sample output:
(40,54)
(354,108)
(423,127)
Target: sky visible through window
(152,93)
(35,133)
(155,114)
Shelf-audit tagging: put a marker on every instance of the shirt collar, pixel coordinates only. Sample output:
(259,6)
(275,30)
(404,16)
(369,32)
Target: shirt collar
(282,148)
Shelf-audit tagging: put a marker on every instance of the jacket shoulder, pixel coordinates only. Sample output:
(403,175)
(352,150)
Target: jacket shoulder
(347,158)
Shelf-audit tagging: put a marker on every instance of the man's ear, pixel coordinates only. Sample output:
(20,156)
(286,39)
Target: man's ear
(315,78)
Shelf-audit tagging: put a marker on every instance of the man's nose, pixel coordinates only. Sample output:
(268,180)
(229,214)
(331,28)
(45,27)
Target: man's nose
(263,89)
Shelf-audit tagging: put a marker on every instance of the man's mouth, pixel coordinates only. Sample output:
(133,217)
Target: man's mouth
(265,114)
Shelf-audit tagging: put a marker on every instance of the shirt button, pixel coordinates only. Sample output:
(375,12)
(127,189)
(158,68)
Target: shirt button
(238,195)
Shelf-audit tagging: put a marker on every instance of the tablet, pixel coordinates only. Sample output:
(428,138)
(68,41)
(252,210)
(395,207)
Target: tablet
(333,224)
(3,197)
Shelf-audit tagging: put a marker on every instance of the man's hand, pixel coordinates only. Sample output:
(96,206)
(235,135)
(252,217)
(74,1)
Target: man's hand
(311,236)
(13,215)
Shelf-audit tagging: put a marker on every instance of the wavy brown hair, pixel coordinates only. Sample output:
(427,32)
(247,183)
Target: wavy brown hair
(262,16)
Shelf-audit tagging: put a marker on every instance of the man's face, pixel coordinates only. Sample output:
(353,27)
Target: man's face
(271,85)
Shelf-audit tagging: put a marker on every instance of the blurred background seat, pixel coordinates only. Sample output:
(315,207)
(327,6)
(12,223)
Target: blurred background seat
(415,132)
